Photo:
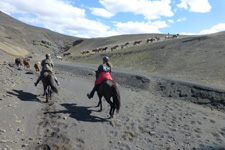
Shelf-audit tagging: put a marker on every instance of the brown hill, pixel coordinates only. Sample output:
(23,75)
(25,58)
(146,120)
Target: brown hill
(20,39)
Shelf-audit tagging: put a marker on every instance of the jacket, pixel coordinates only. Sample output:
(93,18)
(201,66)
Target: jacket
(47,65)
(104,73)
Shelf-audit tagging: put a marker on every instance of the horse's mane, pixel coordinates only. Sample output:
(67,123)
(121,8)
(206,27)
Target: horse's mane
(114,83)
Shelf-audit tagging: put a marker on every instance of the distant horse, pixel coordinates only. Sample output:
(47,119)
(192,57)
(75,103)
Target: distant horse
(66,54)
(59,57)
(124,45)
(175,36)
(26,63)
(19,61)
(37,66)
(168,37)
(137,42)
(104,49)
(97,50)
(85,52)
(114,47)
(157,38)
(108,89)
(150,40)
(48,80)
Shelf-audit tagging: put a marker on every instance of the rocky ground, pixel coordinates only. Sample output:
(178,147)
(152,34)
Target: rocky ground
(71,121)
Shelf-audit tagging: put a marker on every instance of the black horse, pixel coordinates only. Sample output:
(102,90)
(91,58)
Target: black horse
(108,89)
(48,80)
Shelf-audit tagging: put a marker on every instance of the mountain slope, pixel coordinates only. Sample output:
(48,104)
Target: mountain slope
(18,38)
(197,58)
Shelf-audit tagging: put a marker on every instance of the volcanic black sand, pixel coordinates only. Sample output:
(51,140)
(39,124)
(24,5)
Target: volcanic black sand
(150,117)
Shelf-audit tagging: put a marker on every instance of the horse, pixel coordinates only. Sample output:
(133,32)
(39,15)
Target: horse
(48,80)
(114,47)
(59,57)
(157,38)
(85,52)
(150,40)
(122,46)
(18,61)
(108,89)
(168,37)
(37,66)
(97,50)
(66,54)
(26,63)
(137,42)
(104,49)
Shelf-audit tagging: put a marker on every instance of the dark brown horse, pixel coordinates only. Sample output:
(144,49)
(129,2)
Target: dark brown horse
(19,61)
(137,42)
(26,63)
(108,89)
(114,47)
(48,80)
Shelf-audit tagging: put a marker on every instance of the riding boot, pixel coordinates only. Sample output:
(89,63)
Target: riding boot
(93,91)
(38,80)
(56,81)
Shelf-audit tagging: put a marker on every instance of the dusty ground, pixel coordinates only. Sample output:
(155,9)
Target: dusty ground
(71,121)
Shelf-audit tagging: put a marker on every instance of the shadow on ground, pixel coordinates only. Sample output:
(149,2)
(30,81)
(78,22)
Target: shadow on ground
(24,96)
(80,113)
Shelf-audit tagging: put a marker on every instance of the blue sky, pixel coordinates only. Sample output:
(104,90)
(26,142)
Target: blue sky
(103,18)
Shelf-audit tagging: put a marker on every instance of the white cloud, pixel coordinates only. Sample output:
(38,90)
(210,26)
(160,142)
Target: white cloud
(201,6)
(149,9)
(181,19)
(217,28)
(139,27)
(42,7)
(101,12)
(56,15)
(171,21)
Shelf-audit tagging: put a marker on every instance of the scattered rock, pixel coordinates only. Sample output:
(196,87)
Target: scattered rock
(2,131)
(24,145)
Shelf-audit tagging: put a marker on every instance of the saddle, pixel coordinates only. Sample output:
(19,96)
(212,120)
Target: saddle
(45,73)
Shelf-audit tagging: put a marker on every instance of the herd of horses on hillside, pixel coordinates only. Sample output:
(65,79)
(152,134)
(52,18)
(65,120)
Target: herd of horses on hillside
(149,40)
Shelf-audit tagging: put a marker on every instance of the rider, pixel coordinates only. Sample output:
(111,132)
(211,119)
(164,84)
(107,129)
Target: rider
(47,66)
(104,71)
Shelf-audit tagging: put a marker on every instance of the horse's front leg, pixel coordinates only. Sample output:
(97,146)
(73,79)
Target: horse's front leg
(100,103)
(45,88)
(112,107)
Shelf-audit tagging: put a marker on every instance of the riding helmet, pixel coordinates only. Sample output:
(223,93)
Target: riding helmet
(105,58)
(48,55)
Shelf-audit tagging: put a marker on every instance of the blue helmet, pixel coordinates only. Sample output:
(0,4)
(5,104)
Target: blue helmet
(48,55)
(105,58)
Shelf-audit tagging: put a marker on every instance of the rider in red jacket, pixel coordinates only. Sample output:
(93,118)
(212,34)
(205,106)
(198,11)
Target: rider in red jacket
(104,71)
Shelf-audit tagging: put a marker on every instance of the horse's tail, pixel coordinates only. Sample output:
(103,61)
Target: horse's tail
(53,87)
(116,97)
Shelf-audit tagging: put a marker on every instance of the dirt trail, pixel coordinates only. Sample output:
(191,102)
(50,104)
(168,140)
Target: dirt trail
(71,121)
